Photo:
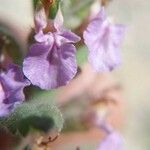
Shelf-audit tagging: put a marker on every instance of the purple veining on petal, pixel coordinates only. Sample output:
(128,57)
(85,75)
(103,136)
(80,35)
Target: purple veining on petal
(50,67)
(12,83)
(103,40)
(72,37)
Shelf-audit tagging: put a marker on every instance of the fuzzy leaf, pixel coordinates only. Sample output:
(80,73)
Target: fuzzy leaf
(27,117)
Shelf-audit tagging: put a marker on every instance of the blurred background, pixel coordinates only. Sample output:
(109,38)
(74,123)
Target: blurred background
(128,85)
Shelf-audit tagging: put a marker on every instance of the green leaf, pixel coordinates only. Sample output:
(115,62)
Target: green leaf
(53,9)
(27,117)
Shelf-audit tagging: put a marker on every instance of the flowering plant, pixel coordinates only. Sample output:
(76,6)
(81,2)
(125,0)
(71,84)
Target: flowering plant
(51,63)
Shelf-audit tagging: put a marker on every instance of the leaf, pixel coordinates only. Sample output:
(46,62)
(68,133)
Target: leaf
(27,117)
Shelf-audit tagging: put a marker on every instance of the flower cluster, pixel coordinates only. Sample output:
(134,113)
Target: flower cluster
(51,60)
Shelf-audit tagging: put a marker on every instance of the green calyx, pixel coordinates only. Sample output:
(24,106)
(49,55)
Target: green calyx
(53,9)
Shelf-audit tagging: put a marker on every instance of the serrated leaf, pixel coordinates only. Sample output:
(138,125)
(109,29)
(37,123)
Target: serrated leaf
(27,117)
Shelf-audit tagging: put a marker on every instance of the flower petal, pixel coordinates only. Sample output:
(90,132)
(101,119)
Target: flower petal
(35,64)
(72,37)
(12,83)
(62,65)
(51,69)
(103,41)
(68,67)
(4,109)
(114,141)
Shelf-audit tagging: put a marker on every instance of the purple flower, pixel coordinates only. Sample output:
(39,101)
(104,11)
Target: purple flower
(113,141)
(12,83)
(51,61)
(103,40)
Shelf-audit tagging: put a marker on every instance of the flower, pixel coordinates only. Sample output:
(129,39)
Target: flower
(12,83)
(103,40)
(51,60)
(113,141)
